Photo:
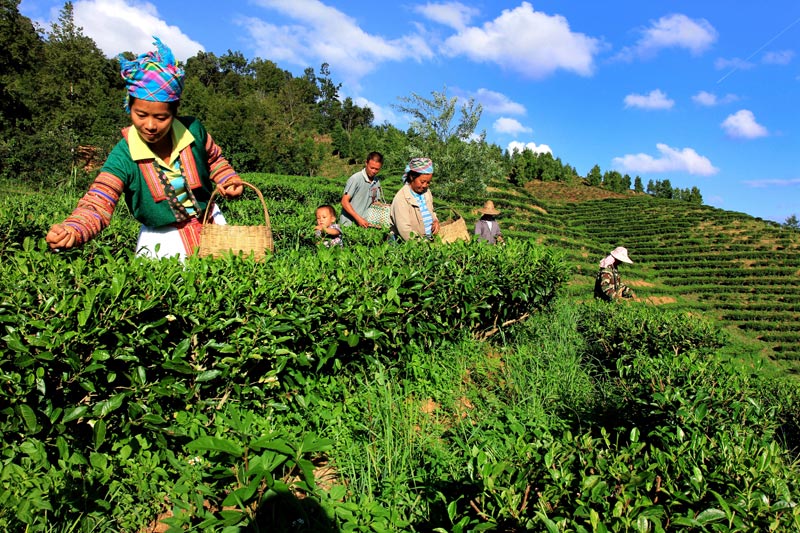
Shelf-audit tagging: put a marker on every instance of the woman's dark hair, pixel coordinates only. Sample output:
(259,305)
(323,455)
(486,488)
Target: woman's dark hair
(173,106)
(411,175)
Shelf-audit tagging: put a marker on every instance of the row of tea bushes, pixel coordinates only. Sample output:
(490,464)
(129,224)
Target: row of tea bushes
(103,349)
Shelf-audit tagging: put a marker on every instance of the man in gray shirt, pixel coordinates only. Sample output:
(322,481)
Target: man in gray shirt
(360,191)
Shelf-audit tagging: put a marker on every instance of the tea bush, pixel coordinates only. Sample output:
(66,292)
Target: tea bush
(106,350)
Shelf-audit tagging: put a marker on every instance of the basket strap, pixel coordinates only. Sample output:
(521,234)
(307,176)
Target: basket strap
(260,197)
(378,198)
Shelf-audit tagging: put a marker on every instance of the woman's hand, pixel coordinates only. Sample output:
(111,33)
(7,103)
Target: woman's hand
(435,227)
(232,188)
(59,237)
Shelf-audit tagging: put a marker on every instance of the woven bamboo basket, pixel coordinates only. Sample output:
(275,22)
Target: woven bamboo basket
(217,240)
(453,229)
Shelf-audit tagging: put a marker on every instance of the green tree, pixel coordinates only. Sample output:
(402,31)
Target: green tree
(21,49)
(612,180)
(595,176)
(76,107)
(328,105)
(637,184)
(695,197)
(791,222)
(463,160)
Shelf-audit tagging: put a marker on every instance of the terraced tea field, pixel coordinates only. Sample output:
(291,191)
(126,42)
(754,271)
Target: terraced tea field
(741,270)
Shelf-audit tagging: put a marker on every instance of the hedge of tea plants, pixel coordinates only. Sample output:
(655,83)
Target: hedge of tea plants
(116,368)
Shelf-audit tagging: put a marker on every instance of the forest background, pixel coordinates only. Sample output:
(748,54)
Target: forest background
(61,110)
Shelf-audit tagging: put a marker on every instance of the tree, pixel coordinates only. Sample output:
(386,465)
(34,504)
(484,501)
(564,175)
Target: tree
(637,184)
(463,161)
(21,50)
(594,177)
(328,105)
(791,222)
(612,180)
(695,197)
(75,103)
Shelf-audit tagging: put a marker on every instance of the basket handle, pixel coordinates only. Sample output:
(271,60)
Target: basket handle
(258,192)
(454,215)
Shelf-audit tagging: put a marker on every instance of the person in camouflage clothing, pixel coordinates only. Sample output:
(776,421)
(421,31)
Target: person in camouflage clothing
(607,285)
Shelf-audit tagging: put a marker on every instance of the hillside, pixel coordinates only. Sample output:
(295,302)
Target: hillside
(743,271)
(364,388)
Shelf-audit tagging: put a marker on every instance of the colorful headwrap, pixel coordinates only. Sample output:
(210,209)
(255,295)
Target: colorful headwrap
(420,165)
(153,76)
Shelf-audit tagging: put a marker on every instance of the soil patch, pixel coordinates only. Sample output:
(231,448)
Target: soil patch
(553,191)
(660,300)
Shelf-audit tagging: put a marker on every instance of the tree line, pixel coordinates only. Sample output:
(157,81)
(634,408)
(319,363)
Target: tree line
(61,110)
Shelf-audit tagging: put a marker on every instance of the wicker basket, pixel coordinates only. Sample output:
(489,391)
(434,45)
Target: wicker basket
(217,240)
(453,229)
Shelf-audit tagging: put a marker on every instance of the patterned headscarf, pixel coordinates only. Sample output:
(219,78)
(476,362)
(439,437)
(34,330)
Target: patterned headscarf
(153,76)
(420,165)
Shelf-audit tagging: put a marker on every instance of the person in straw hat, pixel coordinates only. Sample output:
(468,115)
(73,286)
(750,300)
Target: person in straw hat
(607,285)
(165,166)
(487,228)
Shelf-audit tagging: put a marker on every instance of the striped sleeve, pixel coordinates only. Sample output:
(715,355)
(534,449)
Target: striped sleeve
(221,170)
(94,210)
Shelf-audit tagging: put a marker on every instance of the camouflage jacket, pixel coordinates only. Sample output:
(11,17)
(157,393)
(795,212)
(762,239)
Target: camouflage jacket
(608,286)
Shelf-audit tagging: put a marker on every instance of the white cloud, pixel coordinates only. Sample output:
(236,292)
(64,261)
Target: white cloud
(672,31)
(323,33)
(655,99)
(733,64)
(510,125)
(453,14)
(494,102)
(743,125)
(531,43)
(670,160)
(532,146)
(708,99)
(381,114)
(761,184)
(780,57)
(117,26)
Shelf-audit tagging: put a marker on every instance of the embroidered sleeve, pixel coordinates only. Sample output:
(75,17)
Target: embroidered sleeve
(221,170)
(94,210)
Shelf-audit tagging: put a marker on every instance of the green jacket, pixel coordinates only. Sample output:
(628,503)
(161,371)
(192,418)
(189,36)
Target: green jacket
(143,191)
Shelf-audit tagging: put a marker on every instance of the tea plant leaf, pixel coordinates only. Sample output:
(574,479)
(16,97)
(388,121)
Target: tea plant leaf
(207,375)
(99,433)
(74,413)
(107,406)
(28,417)
(710,515)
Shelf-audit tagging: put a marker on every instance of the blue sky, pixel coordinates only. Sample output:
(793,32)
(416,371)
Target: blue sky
(701,92)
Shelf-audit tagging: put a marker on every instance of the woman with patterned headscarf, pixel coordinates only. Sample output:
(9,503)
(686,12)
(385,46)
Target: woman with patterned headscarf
(412,215)
(166,167)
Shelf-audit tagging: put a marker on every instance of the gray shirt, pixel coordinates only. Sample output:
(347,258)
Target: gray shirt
(362,192)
